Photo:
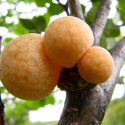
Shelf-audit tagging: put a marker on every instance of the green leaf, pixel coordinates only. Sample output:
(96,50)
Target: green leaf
(9,14)
(111,29)
(115,113)
(19,29)
(34,105)
(121,9)
(27,23)
(47,18)
(16,109)
(83,8)
(40,23)
(92,12)
(121,80)
(2,90)
(55,9)
(5,24)
(10,1)
(50,100)
(2,21)
(6,41)
(103,42)
(36,24)
(42,3)
(16,1)
(31,105)
(94,1)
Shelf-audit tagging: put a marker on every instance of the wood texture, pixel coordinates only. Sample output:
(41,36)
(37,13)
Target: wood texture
(86,104)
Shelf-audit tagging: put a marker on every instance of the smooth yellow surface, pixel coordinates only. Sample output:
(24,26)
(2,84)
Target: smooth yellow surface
(27,72)
(96,65)
(67,39)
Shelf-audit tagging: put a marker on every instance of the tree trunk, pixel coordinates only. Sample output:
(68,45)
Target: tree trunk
(85,103)
(88,105)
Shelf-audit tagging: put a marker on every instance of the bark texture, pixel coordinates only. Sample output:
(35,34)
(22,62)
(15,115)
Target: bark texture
(2,122)
(100,19)
(86,104)
(75,8)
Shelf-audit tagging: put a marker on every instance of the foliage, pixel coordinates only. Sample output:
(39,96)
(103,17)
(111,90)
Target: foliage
(46,123)
(115,113)
(111,31)
(19,109)
(121,9)
(92,12)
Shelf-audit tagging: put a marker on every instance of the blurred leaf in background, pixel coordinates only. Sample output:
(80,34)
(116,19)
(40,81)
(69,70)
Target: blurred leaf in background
(121,10)
(17,111)
(116,113)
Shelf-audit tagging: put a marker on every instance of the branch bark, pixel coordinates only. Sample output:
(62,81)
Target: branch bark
(100,19)
(75,8)
(87,106)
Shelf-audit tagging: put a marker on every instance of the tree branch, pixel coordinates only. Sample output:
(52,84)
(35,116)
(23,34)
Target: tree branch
(88,105)
(118,54)
(101,19)
(65,7)
(2,121)
(99,97)
(75,8)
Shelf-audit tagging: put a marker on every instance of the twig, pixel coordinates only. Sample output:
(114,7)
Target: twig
(65,7)
(75,8)
(118,53)
(119,49)
(101,19)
